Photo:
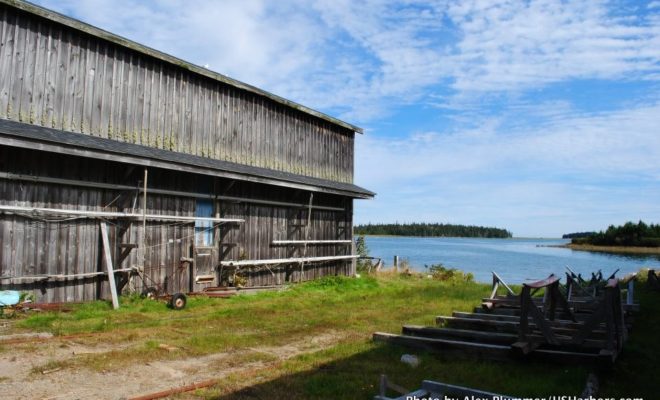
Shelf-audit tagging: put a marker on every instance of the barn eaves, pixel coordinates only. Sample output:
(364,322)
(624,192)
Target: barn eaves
(17,134)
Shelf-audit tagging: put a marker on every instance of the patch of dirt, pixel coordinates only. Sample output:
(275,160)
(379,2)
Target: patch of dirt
(21,375)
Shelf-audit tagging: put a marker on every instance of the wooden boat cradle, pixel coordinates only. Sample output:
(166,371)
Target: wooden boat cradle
(584,329)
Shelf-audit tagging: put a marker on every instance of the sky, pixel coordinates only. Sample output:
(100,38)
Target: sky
(540,117)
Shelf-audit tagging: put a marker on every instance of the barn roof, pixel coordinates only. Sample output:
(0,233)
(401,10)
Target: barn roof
(126,43)
(35,137)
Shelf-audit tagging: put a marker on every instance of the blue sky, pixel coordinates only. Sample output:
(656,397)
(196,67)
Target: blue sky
(542,117)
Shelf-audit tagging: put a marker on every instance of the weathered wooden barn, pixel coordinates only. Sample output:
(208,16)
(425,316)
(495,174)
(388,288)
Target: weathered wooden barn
(115,155)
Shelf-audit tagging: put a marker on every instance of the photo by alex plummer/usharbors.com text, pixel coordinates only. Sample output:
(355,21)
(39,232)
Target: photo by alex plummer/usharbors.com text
(552,397)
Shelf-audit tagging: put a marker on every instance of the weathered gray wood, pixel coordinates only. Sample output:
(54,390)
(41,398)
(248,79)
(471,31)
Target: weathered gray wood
(460,334)
(563,328)
(108,265)
(118,100)
(490,351)
(54,76)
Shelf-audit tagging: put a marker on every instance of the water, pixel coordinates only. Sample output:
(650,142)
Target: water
(515,260)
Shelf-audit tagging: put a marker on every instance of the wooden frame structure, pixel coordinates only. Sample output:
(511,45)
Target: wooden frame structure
(530,326)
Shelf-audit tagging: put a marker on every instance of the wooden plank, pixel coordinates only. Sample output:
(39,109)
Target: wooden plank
(513,318)
(109,214)
(6,57)
(293,260)
(457,347)
(460,334)
(108,265)
(507,326)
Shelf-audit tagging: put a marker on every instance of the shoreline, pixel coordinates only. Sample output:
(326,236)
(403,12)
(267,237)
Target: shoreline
(446,237)
(609,249)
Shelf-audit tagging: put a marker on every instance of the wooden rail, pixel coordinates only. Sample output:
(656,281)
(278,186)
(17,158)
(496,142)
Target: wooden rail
(241,263)
(497,281)
(109,214)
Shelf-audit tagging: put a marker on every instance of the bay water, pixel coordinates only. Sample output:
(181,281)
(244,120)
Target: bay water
(515,260)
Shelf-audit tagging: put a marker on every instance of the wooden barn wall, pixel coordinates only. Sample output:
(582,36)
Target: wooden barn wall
(54,76)
(36,246)
(264,224)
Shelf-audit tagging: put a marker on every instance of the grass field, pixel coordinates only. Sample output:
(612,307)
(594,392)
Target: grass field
(346,311)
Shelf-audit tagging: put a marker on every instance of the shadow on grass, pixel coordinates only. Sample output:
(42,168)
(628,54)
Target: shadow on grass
(352,371)
(357,376)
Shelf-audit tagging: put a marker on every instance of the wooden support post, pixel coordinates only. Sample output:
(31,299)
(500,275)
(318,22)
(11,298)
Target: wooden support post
(610,327)
(496,284)
(144,219)
(309,221)
(524,300)
(108,265)
(354,260)
(630,296)
(396,263)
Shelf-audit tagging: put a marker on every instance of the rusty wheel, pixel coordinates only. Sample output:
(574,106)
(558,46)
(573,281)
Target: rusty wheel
(178,301)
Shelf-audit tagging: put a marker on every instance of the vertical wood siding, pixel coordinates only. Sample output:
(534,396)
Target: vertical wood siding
(34,246)
(54,76)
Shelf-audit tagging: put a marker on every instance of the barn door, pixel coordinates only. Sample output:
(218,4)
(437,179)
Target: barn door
(205,251)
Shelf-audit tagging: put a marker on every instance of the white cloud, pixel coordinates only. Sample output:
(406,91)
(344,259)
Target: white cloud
(613,143)
(361,59)
(518,45)
(569,175)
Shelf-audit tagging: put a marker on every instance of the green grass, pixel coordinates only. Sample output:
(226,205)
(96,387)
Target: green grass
(350,309)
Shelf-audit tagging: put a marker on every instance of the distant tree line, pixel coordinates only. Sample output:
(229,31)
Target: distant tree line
(577,235)
(425,229)
(629,234)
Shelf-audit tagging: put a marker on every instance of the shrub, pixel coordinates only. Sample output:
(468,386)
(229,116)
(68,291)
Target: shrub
(441,273)
(363,265)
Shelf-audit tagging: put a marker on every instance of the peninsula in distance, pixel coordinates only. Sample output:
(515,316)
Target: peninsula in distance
(423,229)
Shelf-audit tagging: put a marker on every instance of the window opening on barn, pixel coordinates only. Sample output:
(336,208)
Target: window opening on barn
(204,208)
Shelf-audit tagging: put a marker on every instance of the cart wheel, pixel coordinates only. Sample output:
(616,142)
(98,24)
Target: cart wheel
(149,293)
(178,301)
